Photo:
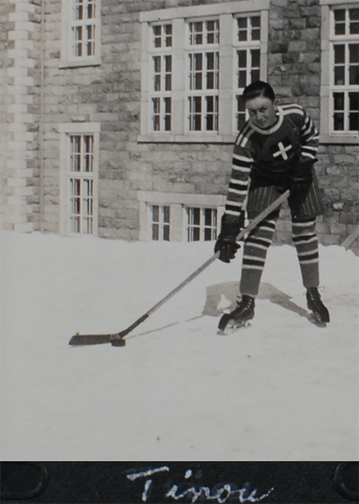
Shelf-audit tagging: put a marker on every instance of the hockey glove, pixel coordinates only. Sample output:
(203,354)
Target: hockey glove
(302,177)
(226,242)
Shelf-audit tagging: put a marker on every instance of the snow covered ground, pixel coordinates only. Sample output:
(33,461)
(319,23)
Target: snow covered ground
(282,389)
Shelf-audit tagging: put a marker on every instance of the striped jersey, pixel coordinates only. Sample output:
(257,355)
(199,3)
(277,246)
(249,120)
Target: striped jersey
(273,151)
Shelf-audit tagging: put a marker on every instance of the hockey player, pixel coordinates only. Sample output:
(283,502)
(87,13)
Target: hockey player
(274,151)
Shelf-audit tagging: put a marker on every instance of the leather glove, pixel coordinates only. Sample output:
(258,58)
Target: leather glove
(226,242)
(302,176)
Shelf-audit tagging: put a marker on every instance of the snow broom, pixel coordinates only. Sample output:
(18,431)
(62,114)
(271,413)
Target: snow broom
(117,339)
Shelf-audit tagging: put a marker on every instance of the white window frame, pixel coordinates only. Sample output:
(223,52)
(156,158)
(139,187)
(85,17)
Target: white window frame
(67,130)
(180,17)
(201,226)
(327,134)
(162,95)
(161,222)
(178,203)
(190,93)
(68,22)
(248,46)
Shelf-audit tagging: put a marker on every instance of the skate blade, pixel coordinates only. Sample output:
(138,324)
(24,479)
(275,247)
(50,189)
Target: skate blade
(232,328)
(316,320)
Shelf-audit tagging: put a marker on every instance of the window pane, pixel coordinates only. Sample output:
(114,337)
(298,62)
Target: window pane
(168,38)
(256,34)
(242,29)
(211,59)
(207,234)
(90,11)
(155,213)
(168,106)
(79,10)
(256,21)
(339,54)
(198,61)
(168,64)
(157,64)
(353,111)
(354,53)
(166,233)
(354,75)
(255,75)
(207,216)
(155,232)
(242,59)
(338,114)
(156,102)
(339,68)
(338,122)
(156,105)
(168,82)
(354,64)
(242,65)
(212,32)
(339,75)
(338,101)
(196,215)
(157,33)
(339,17)
(196,33)
(353,121)
(167,123)
(166,214)
(354,21)
(255,58)
(75,156)
(241,115)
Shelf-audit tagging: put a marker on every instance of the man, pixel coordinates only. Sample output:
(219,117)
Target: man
(274,151)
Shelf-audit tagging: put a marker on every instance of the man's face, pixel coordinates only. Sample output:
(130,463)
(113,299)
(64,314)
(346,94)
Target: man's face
(262,111)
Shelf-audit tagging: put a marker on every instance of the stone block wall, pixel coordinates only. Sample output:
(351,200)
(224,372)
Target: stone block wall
(110,94)
(21,109)
(5,136)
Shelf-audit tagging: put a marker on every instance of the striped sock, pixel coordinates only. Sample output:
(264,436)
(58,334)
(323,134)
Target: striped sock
(254,255)
(306,242)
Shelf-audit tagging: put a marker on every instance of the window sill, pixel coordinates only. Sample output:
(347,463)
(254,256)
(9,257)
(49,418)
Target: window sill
(80,63)
(195,138)
(346,138)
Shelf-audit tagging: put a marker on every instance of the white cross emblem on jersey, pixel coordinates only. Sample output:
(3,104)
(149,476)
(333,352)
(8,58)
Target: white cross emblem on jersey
(282,151)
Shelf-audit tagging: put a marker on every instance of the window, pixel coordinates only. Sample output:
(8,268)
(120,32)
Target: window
(83,28)
(161,77)
(203,75)
(81,186)
(179,217)
(79,169)
(247,60)
(160,222)
(81,32)
(340,83)
(201,224)
(196,62)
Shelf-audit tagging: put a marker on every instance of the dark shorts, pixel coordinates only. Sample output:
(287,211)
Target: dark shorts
(305,202)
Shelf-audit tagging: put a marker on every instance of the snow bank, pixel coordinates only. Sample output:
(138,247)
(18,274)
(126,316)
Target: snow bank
(282,389)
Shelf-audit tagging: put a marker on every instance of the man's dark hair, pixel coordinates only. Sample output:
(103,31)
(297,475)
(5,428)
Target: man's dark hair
(258,88)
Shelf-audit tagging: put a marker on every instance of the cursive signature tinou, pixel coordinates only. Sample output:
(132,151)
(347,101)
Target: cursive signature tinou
(221,495)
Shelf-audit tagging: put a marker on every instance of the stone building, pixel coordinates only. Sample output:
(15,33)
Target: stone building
(119,116)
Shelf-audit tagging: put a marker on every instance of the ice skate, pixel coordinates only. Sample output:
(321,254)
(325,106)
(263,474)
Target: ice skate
(316,306)
(238,317)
